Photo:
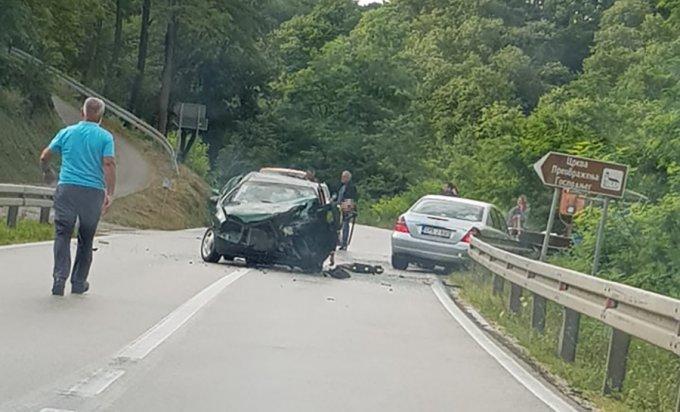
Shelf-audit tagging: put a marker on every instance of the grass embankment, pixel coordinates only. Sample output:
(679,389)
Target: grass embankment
(651,382)
(26,231)
(182,205)
(24,135)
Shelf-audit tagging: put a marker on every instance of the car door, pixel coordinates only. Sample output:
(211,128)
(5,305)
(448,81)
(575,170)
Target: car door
(495,225)
(499,224)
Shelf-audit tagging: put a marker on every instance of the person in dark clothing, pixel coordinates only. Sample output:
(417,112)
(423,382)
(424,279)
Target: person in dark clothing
(347,198)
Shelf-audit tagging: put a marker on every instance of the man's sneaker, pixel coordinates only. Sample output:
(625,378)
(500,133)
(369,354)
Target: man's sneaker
(58,287)
(80,288)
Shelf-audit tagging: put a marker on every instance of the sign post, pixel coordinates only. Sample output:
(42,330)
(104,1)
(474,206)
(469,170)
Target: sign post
(551,221)
(580,174)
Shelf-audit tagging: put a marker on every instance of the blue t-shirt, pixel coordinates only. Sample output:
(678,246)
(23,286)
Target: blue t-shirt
(82,147)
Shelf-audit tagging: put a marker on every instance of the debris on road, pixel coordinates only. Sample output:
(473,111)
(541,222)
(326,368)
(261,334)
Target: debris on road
(338,272)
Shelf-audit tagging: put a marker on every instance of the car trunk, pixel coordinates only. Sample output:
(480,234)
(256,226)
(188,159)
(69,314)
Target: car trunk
(437,228)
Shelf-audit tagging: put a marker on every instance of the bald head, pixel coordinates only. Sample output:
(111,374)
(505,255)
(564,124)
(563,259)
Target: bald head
(93,109)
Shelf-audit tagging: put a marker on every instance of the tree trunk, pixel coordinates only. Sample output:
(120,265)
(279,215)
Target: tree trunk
(133,105)
(168,70)
(113,71)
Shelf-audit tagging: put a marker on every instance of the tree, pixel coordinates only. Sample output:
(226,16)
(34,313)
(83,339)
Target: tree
(143,49)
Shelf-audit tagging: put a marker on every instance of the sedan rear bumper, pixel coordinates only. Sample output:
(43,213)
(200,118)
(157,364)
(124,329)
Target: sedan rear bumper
(405,244)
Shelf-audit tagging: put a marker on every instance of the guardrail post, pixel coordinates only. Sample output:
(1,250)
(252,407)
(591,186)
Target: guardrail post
(498,283)
(44,215)
(569,335)
(12,216)
(515,304)
(538,313)
(619,342)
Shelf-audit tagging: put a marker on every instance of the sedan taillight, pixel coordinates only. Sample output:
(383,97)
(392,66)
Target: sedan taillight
(468,236)
(400,226)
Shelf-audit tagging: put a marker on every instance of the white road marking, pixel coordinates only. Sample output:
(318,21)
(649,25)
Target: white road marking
(150,339)
(49,242)
(96,383)
(55,410)
(554,401)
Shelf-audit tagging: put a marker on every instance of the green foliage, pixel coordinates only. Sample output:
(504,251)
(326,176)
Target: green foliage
(26,231)
(641,245)
(197,158)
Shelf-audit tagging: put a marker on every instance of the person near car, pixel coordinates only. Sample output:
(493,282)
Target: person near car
(87,181)
(517,216)
(347,199)
(450,189)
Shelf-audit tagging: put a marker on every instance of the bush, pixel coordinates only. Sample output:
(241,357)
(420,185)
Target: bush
(640,245)
(197,159)
(385,211)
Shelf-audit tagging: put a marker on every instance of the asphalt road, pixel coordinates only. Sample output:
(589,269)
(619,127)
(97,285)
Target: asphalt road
(133,173)
(162,331)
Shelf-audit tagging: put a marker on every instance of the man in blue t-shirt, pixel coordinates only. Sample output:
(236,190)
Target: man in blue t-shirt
(87,181)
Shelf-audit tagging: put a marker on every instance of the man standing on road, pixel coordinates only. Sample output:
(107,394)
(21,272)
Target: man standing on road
(87,181)
(347,197)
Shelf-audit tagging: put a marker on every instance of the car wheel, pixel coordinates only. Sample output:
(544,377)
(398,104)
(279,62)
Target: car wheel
(208,252)
(399,262)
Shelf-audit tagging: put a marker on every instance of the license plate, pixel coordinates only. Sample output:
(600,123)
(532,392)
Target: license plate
(435,231)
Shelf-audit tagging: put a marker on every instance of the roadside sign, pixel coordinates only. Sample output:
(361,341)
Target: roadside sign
(582,174)
(190,116)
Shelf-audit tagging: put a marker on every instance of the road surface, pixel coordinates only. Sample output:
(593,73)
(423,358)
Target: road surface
(133,171)
(162,331)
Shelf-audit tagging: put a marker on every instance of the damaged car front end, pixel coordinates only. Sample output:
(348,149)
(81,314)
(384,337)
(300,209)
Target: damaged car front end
(273,219)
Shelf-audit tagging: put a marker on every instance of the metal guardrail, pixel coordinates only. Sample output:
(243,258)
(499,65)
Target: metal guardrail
(629,311)
(112,107)
(16,196)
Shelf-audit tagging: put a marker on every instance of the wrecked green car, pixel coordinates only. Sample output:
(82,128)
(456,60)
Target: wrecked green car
(269,218)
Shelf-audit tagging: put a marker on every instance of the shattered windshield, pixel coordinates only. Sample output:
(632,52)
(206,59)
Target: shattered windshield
(259,192)
(453,210)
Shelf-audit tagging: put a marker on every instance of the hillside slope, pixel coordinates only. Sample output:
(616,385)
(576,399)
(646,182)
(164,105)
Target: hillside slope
(22,136)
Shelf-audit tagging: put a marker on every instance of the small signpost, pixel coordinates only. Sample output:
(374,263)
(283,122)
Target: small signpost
(595,177)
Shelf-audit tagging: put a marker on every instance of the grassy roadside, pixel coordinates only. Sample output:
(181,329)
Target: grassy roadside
(26,231)
(181,205)
(652,378)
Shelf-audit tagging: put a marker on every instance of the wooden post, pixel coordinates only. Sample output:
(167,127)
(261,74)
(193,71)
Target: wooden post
(538,313)
(619,342)
(45,215)
(12,216)
(515,304)
(498,283)
(569,335)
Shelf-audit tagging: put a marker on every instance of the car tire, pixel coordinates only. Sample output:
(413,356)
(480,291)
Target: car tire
(399,262)
(208,249)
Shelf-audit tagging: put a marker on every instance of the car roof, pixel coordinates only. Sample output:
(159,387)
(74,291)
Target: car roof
(457,200)
(279,179)
(300,174)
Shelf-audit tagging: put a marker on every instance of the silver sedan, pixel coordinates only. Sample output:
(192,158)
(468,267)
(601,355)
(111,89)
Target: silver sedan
(436,231)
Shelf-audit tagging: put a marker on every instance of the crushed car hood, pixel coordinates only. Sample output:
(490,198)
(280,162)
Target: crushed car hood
(258,212)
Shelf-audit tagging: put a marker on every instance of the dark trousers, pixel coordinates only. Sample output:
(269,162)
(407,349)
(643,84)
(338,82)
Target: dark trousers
(70,203)
(346,220)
